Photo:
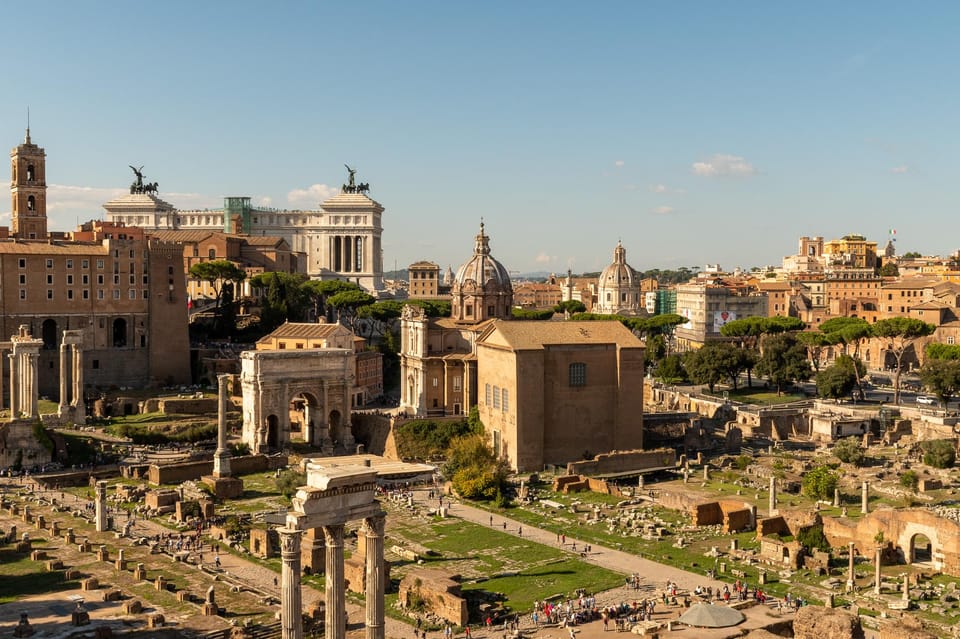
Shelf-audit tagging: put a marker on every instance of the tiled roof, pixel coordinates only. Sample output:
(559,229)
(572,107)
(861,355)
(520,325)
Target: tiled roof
(183,237)
(9,247)
(297,330)
(521,335)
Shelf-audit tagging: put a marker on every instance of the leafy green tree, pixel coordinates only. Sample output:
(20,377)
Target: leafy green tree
(939,350)
(911,255)
(820,483)
(839,379)
(384,315)
(814,342)
(289,481)
(655,352)
(901,335)
(670,370)
(348,304)
(716,361)
(474,469)
(750,330)
(530,314)
(939,453)
(783,360)
(910,480)
(433,308)
(849,332)
(812,537)
(282,299)
(318,292)
(942,378)
(570,306)
(848,451)
(889,270)
(222,275)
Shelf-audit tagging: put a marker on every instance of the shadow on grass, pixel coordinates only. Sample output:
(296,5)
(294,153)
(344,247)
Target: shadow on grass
(13,587)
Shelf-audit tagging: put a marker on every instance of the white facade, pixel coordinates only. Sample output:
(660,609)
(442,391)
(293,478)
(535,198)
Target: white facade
(341,240)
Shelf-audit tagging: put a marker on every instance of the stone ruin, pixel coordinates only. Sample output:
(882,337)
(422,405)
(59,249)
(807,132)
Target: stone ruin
(438,592)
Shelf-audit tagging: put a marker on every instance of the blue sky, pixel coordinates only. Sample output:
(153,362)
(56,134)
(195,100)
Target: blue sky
(694,132)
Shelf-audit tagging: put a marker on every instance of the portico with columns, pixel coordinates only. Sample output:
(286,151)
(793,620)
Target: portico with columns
(24,374)
(333,496)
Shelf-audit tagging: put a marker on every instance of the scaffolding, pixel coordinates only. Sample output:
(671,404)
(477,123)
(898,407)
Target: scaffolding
(234,208)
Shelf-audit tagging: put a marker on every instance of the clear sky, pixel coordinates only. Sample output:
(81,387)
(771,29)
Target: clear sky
(695,132)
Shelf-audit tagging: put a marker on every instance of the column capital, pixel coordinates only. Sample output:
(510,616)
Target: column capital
(289,542)
(333,534)
(373,526)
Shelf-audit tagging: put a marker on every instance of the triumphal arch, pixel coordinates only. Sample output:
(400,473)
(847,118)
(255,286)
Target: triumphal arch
(333,496)
(307,390)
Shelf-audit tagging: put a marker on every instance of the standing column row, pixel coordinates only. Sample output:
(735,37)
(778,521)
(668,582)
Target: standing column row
(347,254)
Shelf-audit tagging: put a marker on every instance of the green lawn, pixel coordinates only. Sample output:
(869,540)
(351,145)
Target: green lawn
(761,396)
(23,576)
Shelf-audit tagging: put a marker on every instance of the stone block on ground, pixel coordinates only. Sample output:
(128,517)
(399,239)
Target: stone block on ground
(113,594)
(156,621)
(132,607)
(90,583)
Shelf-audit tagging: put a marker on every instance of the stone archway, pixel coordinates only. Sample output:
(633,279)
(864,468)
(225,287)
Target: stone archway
(273,432)
(335,426)
(306,417)
(921,549)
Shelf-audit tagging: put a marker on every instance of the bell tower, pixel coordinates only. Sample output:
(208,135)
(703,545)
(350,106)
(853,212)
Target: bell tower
(28,186)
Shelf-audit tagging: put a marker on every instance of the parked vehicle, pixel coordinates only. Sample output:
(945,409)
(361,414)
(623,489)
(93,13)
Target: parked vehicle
(927,400)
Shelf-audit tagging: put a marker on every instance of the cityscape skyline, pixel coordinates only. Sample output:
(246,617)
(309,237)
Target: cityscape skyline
(693,134)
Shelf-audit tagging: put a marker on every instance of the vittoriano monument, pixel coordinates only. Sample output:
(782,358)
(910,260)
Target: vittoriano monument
(351,186)
(138,185)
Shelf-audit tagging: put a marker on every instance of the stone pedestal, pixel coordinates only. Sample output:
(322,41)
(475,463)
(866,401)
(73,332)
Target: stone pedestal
(160,583)
(224,487)
(41,523)
(140,573)
(103,554)
(90,583)
(55,529)
(210,610)
(70,538)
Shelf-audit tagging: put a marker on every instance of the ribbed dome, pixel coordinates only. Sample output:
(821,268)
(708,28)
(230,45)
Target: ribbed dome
(481,288)
(619,273)
(482,269)
(618,290)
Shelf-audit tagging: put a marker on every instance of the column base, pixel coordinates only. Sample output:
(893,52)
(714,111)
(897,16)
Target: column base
(224,487)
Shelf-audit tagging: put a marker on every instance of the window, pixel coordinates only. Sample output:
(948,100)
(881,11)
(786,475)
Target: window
(133,279)
(100,264)
(23,263)
(85,279)
(116,293)
(85,264)
(100,294)
(505,400)
(49,293)
(950,339)
(23,294)
(96,364)
(23,279)
(435,382)
(49,263)
(469,309)
(456,384)
(69,263)
(488,393)
(100,279)
(116,280)
(49,279)
(496,397)
(132,293)
(86,294)
(578,374)
(69,280)
(70,294)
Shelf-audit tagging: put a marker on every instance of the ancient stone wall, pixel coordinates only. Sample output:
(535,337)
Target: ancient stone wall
(245,465)
(900,528)
(264,543)
(440,593)
(623,461)
(188,406)
(772,526)
(373,430)
(18,444)
(817,622)
(734,516)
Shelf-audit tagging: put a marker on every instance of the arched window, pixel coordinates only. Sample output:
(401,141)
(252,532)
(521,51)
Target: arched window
(212,254)
(119,332)
(31,203)
(578,374)
(30,172)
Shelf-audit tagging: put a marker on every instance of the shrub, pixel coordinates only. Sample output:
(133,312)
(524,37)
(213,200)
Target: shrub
(939,453)
(820,483)
(813,538)
(289,481)
(743,461)
(848,451)
(910,480)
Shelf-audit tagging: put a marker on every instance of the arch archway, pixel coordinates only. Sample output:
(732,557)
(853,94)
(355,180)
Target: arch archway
(305,417)
(48,332)
(335,422)
(273,432)
(921,549)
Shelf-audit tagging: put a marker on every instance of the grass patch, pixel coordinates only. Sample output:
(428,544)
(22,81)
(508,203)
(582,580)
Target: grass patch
(23,576)
(761,396)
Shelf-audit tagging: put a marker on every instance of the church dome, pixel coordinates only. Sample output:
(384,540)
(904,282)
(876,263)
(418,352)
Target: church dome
(618,290)
(481,288)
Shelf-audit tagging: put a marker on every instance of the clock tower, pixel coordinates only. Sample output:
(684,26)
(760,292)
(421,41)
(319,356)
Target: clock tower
(28,186)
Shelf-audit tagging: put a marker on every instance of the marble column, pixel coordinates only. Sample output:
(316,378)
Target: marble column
(836,497)
(373,527)
(865,498)
(221,458)
(291,606)
(78,398)
(101,506)
(64,374)
(335,619)
(773,494)
(876,577)
(35,384)
(906,586)
(14,390)
(852,578)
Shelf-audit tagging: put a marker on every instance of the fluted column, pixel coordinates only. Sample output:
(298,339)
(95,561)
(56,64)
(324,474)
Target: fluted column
(14,399)
(64,374)
(373,528)
(773,494)
(334,591)
(291,606)
(852,577)
(34,384)
(865,498)
(78,397)
(876,576)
